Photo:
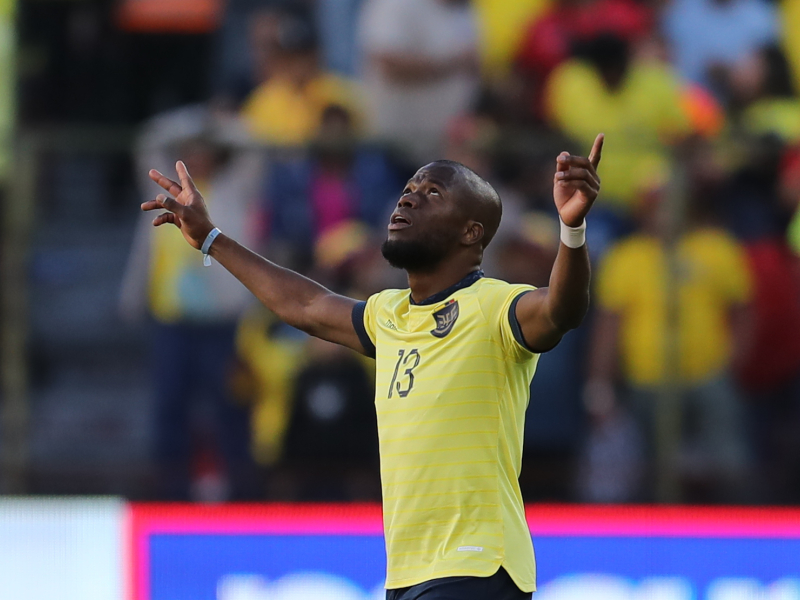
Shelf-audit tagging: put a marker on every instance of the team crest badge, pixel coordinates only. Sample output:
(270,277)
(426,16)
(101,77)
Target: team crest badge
(445,319)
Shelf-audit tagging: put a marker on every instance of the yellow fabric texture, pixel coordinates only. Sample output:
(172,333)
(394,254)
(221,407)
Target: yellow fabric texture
(502,26)
(279,112)
(632,282)
(780,116)
(638,120)
(273,364)
(790,20)
(8,40)
(450,423)
(173,262)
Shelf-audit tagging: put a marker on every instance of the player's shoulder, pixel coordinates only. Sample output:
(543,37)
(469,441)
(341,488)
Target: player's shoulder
(490,285)
(388,296)
(495,293)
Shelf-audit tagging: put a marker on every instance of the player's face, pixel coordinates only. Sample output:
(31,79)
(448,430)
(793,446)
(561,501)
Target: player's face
(426,225)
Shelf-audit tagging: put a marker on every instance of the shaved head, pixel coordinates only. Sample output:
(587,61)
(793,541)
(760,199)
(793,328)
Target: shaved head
(478,199)
(447,212)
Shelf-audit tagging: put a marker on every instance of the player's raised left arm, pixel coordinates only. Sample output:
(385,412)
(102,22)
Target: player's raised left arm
(548,313)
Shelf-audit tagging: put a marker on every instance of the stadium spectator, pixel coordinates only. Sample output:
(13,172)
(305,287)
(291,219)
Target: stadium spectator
(636,103)
(331,446)
(750,192)
(245,46)
(630,334)
(551,70)
(312,422)
(769,371)
(763,90)
(790,40)
(339,179)
(286,109)
(248,36)
(502,25)
(270,353)
(708,37)
(195,309)
(611,463)
(554,36)
(420,70)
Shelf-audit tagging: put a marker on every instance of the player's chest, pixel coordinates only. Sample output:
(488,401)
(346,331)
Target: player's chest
(440,325)
(422,350)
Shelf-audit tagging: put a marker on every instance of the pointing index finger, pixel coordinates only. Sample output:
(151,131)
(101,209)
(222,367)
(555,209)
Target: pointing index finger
(186,179)
(597,150)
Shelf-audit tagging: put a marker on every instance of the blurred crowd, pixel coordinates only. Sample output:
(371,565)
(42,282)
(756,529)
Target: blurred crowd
(318,112)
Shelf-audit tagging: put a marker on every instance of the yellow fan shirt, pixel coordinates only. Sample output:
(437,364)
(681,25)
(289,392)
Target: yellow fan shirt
(452,386)
(714,277)
(640,119)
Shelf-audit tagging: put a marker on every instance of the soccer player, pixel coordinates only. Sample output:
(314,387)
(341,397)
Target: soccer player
(455,355)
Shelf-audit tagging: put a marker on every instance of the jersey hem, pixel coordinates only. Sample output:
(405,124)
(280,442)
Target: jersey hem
(525,586)
(410,582)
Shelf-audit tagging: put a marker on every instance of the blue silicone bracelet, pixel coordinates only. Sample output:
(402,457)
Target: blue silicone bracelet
(212,235)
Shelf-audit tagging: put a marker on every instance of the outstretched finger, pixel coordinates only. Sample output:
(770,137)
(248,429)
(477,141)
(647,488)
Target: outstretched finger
(167,218)
(183,175)
(151,205)
(164,202)
(172,187)
(597,150)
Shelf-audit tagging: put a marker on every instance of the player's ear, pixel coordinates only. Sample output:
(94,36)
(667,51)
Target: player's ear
(473,233)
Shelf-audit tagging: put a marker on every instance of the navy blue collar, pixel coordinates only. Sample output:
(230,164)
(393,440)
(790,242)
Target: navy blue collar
(444,294)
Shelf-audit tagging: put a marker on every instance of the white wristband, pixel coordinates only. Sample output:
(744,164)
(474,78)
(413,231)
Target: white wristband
(573,237)
(206,247)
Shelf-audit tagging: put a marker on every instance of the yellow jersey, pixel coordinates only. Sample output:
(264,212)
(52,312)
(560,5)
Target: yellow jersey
(639,119)
(452,385)
(281,113)
(714,277)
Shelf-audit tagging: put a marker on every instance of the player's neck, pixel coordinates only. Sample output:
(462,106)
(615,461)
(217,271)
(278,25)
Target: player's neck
(425,285)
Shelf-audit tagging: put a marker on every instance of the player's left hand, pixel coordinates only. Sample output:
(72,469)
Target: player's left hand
(576,184)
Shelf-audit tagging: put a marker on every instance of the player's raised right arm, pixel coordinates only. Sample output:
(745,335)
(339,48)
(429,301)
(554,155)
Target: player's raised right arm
(295,299)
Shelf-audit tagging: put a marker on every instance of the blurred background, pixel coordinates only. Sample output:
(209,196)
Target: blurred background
(130,370)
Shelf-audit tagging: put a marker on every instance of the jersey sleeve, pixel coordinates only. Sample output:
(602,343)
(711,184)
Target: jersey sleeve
(364,323)
(510,331)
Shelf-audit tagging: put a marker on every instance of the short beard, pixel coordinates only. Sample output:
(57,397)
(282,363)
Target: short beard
(415,256)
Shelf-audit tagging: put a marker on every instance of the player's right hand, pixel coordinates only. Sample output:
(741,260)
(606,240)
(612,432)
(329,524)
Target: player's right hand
(187,211)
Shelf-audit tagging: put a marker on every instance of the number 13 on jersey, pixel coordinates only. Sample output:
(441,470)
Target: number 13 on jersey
(407,361)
